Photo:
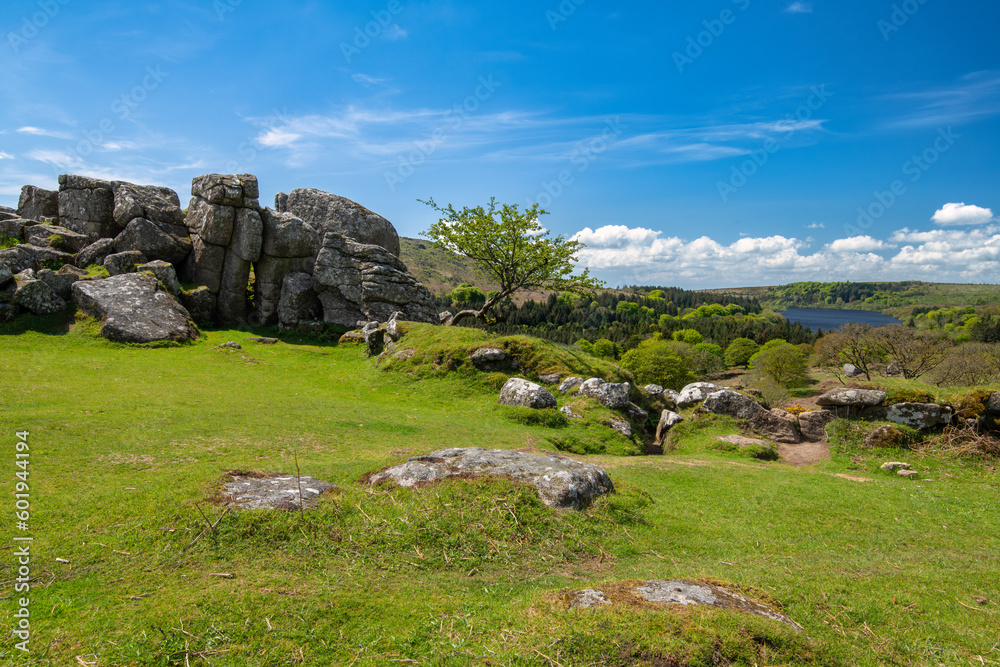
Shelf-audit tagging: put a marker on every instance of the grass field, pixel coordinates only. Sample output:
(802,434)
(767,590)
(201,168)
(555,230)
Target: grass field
(129,446)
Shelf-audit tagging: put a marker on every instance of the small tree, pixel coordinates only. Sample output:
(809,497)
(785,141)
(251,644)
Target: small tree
(510,248)
(689,336)
(466,293)
(781,363)
(657,361)
(739,352)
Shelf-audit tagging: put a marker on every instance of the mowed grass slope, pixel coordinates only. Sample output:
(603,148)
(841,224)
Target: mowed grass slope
(129,447)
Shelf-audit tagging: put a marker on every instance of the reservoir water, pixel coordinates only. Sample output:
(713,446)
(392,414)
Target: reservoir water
(829,319)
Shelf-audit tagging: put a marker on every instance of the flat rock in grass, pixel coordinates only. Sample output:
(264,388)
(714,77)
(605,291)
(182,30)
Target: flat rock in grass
(919,415)
(894,466)
(742,441)
(569,383)
(852,398)
(133,308)
(731,403)
(550,378)
(272,492)
(561,483)
(609,394)
(662,592)
(521,393)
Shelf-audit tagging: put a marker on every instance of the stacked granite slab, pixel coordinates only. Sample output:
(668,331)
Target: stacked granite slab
(87,206)
(327,212)
(151,222)
(226,230)
(38,204)
(288,255)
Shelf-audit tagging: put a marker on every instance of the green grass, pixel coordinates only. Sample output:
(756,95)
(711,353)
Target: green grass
(128,443)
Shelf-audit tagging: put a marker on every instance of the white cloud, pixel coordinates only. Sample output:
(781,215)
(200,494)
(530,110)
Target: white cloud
(960,214)
(799,8)
(857,244)
(6,156)
(57,158)
(816,225)
(40,132)
(639,255)
(394,32)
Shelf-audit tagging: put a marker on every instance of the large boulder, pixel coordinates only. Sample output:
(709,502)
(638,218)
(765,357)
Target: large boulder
(152,241)
(609,394)
(522,393)
(133,308)
(812,424)
(6,275)
(150,202)
(61,283)
(37,297)
(561,483)
(776,425)
(56,237)
(17,259)
(696,392)
(227,189)
(852,398)
(36,203)
(288,236)
(87,205)
(327,212)
(919,415)
(731,403)
(298,302)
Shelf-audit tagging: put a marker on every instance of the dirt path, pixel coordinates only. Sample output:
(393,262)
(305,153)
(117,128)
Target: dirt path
(805,453)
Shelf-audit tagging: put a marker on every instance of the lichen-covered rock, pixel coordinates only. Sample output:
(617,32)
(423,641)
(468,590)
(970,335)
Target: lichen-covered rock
(200,304)
(374,339)
(813,424)
(57,237)
(61,283)
(677,592)
(487,357)
(668,419)
(35,256)
(212,223)
(247,234)
(622,426)
(919,415)
(277,491)
(733,404)
(17,259)
(299,301)
(37,297)
(549,378)
(695,393)
(776,425)
(153,242)
(525,394)
(123,262)
(569,383)
(653,389)
(609,394)
(327,212)
(151,202)
(36,203)
(561,483)
(15,227)
(993,405)
(853,398)
(165,273)
(133,308)
(288,236)
(95,253)
(227,189)
(87,205)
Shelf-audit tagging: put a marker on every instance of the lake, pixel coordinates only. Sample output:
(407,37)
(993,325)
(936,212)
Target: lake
(828,319)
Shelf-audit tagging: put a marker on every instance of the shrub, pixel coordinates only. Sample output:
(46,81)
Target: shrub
(972,403)
(782,363)
(707,358)
(660,362)
(605,348)
(796,410)
(466,293)
(585,345)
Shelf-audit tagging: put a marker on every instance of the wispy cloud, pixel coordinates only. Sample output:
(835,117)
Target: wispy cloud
(368,80)
(40,132)
(394,32)
(799,8)
(6,156)
(974,97)
(815,225)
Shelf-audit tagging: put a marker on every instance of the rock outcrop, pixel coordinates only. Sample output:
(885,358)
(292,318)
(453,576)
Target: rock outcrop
(38,204)
(87,206)
(668,419)
(776,425)
(327,212)
(609,394)
(133,308)
(521,393)
(561,483)
(696,392)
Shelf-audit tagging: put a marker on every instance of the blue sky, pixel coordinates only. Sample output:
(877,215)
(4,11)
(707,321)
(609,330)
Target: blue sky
(699,144)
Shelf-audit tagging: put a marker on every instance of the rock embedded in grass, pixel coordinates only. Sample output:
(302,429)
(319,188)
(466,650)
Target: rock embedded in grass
(696,392)
(569,383)
(812,424)
(852,398)
(561,483)
(522,393)
(133,308)
(668,419)
(919,415)
(277,491)
(675,592)
(609,394)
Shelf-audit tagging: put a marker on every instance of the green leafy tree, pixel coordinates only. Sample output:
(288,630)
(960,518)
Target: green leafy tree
(511,249)
(604,348)
(689,336)
(739,352)
(466,293)
(781,363)
(585,345)
(659,362)
(707,358)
